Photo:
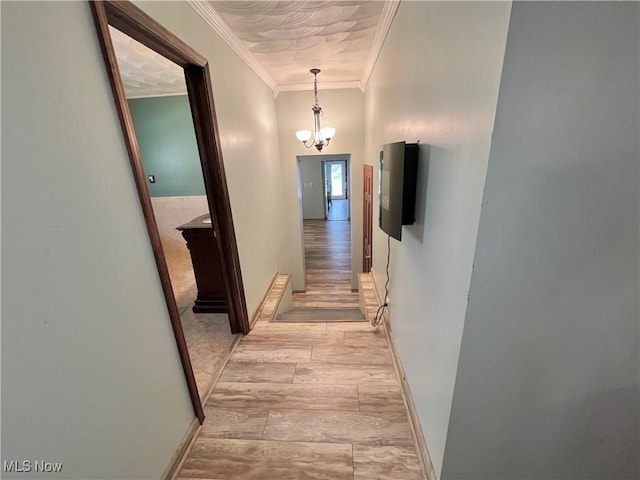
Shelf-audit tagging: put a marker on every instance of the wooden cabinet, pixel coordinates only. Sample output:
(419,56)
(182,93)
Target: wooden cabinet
(199,235)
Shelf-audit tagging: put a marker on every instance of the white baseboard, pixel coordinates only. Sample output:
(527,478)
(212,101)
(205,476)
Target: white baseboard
(414,422)
(171,472)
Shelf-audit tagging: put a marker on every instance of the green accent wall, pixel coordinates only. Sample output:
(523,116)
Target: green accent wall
(167,142)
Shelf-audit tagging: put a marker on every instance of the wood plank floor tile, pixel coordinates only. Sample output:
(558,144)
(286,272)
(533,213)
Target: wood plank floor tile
(284,396)
(354,327)
(268,353)
(339,354)
(245,423)
(372,338)
(296,337)
(273,327)
(259,372)
(345,374)
(224,459)
(376,398)
(386,463)
(327,246)
(339,427)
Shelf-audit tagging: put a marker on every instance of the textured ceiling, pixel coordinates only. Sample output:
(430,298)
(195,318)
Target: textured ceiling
(144,72)
(288,38)
(279,40)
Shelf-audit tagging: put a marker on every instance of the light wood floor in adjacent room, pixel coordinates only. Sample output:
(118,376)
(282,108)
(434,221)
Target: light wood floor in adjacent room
(339,210)
(306,401)
(327,246)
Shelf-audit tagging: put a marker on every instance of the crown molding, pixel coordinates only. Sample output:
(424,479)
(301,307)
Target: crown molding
(297,87)
(388,12)
(215,21)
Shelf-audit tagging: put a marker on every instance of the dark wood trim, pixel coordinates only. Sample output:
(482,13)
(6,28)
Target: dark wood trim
(132,21)
(215,182)
(139,26)
(102,19)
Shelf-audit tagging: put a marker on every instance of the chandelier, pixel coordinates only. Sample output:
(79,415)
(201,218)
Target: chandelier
(320,136)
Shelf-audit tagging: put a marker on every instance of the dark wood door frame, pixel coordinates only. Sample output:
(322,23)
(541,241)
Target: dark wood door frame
(135,23)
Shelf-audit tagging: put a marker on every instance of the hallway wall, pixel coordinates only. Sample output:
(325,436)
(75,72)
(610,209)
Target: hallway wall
(344,110)
(313,203)
(548,378)
(90,371)
(436,81)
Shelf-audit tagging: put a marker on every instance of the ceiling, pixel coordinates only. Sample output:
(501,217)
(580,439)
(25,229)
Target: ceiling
(279,40)
(145,73)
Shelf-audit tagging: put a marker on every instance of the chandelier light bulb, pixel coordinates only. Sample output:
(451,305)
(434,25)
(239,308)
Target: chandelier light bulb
(303,135)
(328,132)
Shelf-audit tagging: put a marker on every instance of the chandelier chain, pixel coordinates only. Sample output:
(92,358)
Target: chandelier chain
(315,88)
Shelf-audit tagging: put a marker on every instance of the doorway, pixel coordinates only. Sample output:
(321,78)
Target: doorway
(131,21)
(336,181)
(163,126)
(325,205)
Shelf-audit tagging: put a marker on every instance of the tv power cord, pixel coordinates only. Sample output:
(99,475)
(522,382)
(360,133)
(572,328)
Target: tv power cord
(377,318)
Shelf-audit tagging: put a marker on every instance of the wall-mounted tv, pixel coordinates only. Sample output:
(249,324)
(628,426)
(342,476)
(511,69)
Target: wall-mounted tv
(397,188)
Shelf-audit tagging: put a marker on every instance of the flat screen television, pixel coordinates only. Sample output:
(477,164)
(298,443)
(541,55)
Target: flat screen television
(397,187)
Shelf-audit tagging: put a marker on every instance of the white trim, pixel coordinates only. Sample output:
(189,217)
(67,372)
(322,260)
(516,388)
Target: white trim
(215,21)
(386,17)
(297,87)
(185,446)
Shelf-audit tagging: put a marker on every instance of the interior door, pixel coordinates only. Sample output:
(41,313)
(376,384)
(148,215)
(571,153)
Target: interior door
(367,218)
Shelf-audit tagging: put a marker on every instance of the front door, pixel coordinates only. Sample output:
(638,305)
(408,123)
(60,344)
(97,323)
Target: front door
(337,176)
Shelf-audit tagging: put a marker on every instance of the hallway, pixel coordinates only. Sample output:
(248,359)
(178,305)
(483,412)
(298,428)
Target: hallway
(327,247)
(310,401)
(306,401)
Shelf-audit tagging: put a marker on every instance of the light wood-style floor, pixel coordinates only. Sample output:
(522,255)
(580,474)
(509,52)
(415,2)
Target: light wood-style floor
(327,246)
(306,401)
(339,210)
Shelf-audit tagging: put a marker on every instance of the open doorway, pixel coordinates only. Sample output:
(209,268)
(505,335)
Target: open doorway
(336,180)
(325,205)
(134,23)
(157,98)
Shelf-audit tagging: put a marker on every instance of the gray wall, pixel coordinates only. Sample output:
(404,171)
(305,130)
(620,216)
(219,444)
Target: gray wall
(547,384)
(436,80)
(90,368)
(312,187)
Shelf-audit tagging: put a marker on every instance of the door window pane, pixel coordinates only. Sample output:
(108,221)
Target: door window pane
(336,180)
